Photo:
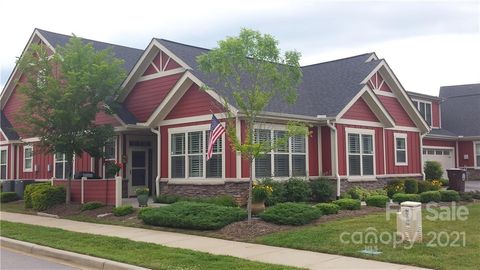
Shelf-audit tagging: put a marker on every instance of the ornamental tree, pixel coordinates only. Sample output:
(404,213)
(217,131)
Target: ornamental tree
(63,92)
(251,72)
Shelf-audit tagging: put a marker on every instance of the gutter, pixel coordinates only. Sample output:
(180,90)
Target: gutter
(159,167)
(422,135)
(335,152)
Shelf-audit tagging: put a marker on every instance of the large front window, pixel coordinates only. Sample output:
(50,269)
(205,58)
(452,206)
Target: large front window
(110,150)
(425,109)
(287,159)
(62,169)
(477,153)
(3,162)
(188,155)
(360,153)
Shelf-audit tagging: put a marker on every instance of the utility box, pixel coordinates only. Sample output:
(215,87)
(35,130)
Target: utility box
(456,179)
(8,186)
(20,187)
(409,221)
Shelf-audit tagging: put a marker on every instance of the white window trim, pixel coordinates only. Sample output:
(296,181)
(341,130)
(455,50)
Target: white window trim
(109,159)
(25,169)
(204,128)
(279,127)
(400,136)
(431,109)
(64,166)
(475,154)
(5,148)
(361,132)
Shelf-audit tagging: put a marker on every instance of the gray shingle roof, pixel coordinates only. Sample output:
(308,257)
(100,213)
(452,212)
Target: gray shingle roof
(128,54)
(326,88)
(7,128)
(442,132)
(461,109)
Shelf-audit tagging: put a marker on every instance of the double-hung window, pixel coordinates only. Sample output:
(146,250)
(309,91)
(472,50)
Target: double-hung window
(28,158)
(360,152)
(477,154)
(425,109)
(62,169)
(287,158)
(110,151)
(400,149)
(3,162)
(188,155)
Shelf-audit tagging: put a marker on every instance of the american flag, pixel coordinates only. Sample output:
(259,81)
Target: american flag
(216,130)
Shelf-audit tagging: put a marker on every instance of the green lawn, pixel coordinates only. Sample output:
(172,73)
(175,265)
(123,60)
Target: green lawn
(445,255)
(127,251)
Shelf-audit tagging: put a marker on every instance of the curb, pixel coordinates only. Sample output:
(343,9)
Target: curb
(71,257)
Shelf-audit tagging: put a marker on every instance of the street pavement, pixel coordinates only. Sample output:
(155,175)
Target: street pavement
(14,260)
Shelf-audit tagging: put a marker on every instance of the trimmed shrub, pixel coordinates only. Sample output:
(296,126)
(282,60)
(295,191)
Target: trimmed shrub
(167,198)
(8,197)
(277,195)
(358,193)
(291,214)
(328,208)
(402,197)
(444,182)
(433,170)
(395,186)
(122,210)
(29,189)
(47,196)
(192,215)
(91,206)
(377,201)
(449,196)
(348,204)
(297,190)
(424,186)
(466,196)
(411,186)
(378,191)
(322,190)
(430,196)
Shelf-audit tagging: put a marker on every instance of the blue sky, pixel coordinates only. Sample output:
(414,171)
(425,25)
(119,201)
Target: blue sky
(427,43)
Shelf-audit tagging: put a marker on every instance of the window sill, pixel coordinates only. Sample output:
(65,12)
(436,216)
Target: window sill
(27,171)
(194,181)
(401,164)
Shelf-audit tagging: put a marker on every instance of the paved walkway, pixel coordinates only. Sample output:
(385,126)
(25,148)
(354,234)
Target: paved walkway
(254,252)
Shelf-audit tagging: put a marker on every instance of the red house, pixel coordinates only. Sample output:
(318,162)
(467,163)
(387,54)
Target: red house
(365,128)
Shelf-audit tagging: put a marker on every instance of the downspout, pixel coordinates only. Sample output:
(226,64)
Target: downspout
(422,135)
(335,153)
(157,179)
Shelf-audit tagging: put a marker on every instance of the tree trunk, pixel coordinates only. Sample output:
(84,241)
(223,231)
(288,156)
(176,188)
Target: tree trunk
(250,182)
(69,179)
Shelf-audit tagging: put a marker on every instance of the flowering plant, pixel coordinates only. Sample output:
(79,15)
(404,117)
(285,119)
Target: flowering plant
(113,168)
(142,191)
(260,192)
(436,184)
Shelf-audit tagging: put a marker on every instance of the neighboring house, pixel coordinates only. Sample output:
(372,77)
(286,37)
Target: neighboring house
(454,140)
(364,127)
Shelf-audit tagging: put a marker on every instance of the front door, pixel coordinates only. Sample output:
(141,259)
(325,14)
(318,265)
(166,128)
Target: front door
(138,170)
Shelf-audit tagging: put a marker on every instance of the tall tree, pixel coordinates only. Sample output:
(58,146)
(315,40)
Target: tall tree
(252,71)
(63,92)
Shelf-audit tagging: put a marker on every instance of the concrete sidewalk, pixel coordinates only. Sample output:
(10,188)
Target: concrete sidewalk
(254,252)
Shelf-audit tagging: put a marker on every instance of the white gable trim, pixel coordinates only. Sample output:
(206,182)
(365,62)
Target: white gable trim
(142,64)
(11,82)
(401,94)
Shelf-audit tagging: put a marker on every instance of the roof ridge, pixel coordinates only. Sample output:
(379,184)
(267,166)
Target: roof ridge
(184,44)
(87,39)
(340,59)
(455,85)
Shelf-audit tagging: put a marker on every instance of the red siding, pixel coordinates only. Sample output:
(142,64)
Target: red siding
(103,118)
(435,114)
(167,64)
(41,160)
(194,102)
(147,95)
(360,111)
(245,163)
(230,155)
(150,70)
(377,82)
(13,108)
(413,151)
(313,152)
(326,151)
(94,190)
(466,148)
(2,138)
(83,163)
(396,110)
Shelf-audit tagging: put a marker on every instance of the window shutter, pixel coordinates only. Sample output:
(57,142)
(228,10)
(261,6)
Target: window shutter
(281,165)
(178,167)
(299,165)
(263,166)
(277,135)
(195,142)
(298,144)
(195,166)
(178,144)
(353,143)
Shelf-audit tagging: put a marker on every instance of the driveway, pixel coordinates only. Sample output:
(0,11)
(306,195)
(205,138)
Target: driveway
(472,185)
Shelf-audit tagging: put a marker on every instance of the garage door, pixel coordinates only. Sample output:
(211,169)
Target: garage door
(442,155)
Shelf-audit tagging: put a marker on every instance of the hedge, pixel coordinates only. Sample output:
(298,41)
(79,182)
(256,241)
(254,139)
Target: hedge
(430,196)
(29,189)
(377,201)
(402,197)
(449,196)
(348,204)
(322,190)
(192,215)
(224,200)
(328,208)
(47,196)
(411,186)
(8,197)
(91,206)
(122,210)
(291,214)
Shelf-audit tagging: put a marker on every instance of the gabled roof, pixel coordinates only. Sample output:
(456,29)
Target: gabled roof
(326,88)
(7,128)
(461,109)
(128,54)
(415,95)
